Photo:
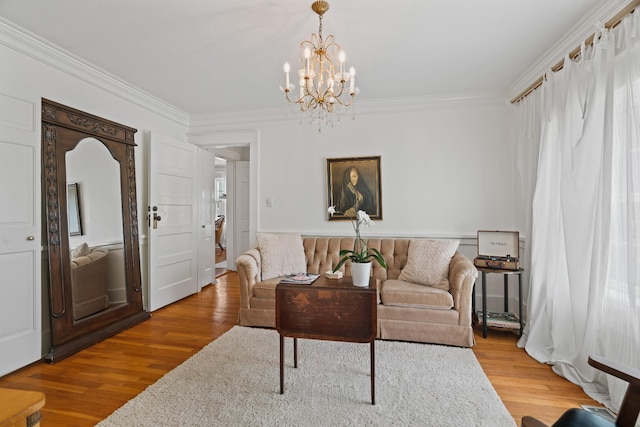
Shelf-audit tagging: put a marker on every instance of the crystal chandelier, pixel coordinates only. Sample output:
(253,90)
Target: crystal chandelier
(325,92)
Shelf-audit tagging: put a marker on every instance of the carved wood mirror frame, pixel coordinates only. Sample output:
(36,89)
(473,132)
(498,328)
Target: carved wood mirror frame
(62,129)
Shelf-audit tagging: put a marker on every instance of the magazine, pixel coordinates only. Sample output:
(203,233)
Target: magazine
(300,278)
(500,320)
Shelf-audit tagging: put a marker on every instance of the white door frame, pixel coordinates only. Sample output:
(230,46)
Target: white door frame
(218,140)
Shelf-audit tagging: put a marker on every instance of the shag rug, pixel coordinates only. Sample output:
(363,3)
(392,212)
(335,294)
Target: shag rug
(235,381)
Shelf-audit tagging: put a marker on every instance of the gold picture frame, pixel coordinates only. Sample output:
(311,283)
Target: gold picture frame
(354,182)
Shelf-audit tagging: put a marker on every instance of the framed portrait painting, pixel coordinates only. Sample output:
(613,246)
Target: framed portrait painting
(353,185)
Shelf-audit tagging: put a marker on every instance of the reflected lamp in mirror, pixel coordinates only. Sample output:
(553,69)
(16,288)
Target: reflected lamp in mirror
(73,210)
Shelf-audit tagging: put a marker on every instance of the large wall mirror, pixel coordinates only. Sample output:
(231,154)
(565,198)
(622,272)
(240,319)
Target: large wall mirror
(89,190)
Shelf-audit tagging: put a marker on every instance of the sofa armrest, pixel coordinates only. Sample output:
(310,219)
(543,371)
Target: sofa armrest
(248,266)
(462,276)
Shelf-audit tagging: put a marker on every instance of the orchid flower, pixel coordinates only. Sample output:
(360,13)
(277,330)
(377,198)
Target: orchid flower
(361,252)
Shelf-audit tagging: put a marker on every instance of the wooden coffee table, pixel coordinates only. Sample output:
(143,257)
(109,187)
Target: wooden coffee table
(328,309)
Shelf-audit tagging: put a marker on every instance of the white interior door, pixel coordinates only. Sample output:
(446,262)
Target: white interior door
(206,214)
(20,253)
(173,237)
(242,240)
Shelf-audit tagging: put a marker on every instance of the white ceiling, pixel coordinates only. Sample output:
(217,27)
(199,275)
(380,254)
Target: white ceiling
(214,56)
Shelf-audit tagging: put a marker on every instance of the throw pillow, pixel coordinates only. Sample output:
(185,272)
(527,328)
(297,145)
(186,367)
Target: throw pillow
(80,250)
(281,254)
(428,262)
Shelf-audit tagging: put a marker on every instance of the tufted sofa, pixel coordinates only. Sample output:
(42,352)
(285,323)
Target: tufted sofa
(406,311)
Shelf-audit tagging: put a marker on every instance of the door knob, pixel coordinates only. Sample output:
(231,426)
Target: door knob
(31,238)
(156,218)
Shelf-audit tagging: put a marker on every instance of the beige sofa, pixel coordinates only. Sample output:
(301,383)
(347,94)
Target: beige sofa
(89,283)
(406,311)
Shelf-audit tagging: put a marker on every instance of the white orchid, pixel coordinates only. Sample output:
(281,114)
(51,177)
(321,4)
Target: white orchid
(361,251)
(364,219)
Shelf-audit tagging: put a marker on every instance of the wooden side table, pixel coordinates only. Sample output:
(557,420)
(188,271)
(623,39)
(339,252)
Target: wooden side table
(20,408)
(506,274)
(328,309)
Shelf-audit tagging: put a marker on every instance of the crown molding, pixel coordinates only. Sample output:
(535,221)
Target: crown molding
(571,40)
(210,122)
(38,48)
(202,136)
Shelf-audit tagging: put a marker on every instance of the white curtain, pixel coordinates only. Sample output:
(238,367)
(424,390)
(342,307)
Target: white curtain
(584,293)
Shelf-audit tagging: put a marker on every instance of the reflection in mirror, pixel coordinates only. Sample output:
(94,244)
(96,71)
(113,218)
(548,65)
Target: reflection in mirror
(73,210)
(97,259)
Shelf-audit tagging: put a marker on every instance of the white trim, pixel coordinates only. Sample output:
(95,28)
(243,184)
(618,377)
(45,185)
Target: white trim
(437,101)
(209,122)
(573,39)
(38,48)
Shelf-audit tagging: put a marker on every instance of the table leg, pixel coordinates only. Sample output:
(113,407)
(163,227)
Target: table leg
(484,304)
(281,364)
(295,352)
(520,300)
(506,292)
(373,373)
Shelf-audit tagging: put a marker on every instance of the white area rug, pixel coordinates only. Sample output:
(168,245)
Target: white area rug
(235,381)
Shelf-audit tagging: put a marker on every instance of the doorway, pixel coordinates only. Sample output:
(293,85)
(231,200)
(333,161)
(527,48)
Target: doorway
(221,216)
(239,148)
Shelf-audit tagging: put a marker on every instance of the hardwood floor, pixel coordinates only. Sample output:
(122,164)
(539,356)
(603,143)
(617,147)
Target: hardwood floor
(88,386)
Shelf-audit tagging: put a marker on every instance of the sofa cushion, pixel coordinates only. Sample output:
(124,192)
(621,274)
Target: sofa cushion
(428,262)
(405,294)
(281,254)
(80,250)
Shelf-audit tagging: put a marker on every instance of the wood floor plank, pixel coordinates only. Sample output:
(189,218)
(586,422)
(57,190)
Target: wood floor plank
(87,387)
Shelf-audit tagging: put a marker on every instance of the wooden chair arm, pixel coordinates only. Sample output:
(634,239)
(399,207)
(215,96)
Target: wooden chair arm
(630,375)
(630,407)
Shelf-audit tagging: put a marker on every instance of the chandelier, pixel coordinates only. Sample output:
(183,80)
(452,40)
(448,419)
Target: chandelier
(325,91)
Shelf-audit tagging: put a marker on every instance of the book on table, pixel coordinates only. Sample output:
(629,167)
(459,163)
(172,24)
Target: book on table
(300,278)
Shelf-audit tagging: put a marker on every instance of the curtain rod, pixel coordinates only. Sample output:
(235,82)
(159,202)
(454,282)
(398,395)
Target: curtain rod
(612,23)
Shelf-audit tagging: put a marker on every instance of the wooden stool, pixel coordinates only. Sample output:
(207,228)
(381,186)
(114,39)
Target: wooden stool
(20,408)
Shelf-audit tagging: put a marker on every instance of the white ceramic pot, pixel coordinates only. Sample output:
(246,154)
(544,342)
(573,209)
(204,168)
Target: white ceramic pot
(360,273)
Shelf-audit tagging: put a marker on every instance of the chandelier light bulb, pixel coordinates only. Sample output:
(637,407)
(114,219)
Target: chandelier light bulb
(352,84)
(307,56)
(286,76)
(341,58)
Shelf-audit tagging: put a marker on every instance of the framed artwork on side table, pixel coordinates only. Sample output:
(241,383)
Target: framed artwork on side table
(354,184)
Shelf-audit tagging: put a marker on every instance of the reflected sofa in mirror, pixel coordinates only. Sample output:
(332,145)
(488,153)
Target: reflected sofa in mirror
(94,277)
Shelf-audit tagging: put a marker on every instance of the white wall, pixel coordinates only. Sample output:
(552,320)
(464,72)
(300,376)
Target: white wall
(446,170)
